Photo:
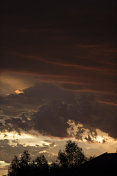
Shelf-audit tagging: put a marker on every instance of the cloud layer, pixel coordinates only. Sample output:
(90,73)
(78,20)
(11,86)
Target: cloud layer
(47,108)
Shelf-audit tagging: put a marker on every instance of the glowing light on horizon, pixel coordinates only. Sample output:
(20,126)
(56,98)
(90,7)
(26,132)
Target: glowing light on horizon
(14,135)
(100,139)
(82,133)
(18,91)
(27,139)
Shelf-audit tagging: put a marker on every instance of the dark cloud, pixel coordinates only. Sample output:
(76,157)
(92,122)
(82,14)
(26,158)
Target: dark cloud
(85,110)
(17,110)
(48,109)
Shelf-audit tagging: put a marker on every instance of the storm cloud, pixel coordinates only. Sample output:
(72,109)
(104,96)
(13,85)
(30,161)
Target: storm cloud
(47,108)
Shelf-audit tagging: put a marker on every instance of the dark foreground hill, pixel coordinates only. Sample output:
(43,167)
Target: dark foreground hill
(105,164)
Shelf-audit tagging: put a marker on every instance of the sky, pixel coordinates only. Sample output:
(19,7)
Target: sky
(58,77)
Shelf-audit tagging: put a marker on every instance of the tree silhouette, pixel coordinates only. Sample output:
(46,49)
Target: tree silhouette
(41,162)
(62,159)
(14,167)
(41,165)
(25,159)
(20,166)
(72,156)
(68,160)
(24,166)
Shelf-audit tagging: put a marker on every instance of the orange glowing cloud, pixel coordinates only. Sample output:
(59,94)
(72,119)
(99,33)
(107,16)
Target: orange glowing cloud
(107,103)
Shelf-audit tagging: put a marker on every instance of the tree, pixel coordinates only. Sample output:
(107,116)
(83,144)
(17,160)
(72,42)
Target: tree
(72,156)
(68,159)
(41,163)
(62,157)
(24,166)
(20,166)
(25,159)
(14,167)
